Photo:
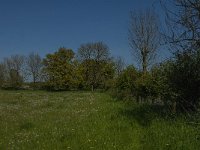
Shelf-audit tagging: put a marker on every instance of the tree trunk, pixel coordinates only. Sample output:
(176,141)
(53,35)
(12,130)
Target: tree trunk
(174,107)
(92,88)
(144,64)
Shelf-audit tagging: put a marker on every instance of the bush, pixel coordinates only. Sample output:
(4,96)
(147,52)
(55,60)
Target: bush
(125,83)
(179,81)
(185,80)
(164,88)
(146,87)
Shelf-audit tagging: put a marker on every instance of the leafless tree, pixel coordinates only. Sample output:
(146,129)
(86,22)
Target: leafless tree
(97,51)
(144,37)
(100,51)
(85,52)
(183,35)
(34,66)
(2,74)
(183,22)
(91,56)
(14,67)
(15,62)
(119,65)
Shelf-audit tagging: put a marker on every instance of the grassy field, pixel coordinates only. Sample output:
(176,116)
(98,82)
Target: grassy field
(84,120)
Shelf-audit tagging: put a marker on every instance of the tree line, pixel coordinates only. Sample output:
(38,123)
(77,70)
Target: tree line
(174,83)
(91,68)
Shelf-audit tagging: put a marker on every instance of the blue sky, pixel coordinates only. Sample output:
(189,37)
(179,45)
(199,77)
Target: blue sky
(45,25)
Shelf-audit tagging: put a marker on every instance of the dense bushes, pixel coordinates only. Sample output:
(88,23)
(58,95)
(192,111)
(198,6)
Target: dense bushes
(179,81)
(125,83)
(175,83)
(146,88)
(184,79)
(132,84)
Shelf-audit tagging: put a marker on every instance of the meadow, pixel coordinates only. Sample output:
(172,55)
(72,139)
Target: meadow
(89,120)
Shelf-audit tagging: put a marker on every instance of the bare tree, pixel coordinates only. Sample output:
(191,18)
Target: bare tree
(15,62)
(144,37)
(2,74)
(183,22)
(85,52)
(183,35)
(100,51)
(34,66)
(14,66)
(92,56)
(119,65)
(97,51)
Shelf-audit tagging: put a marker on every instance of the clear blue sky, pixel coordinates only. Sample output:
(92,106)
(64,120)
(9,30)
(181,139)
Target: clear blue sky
(45,25)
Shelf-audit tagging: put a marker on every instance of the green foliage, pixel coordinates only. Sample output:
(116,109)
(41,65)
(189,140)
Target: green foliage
(15,81)
(2,75)
(98,69)
(161,74)
(179,81)
(147,87)
(131,84)
(107,74)
(184,78)
(12,72)
(62,70)
(35,86)
(125,83)
(98,74)
(176,83)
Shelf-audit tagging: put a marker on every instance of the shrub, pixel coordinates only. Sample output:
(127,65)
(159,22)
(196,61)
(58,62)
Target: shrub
(179,81)
(146,87)
(185,80)
(125,83)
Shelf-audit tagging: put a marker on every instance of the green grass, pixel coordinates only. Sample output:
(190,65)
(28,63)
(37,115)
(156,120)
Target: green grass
(85,120)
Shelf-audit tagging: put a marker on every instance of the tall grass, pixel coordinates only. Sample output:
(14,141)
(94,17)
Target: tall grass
(85,120)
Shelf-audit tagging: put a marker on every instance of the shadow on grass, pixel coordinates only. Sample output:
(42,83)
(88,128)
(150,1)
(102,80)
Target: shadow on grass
(26,126)
(145,114)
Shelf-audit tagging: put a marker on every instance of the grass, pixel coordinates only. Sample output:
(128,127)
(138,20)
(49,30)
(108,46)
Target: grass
(85,120)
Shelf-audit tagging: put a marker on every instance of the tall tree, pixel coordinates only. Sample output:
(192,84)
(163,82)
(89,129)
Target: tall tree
(34,66)
(94,57)
(183,22)
(144,37)
(61,69)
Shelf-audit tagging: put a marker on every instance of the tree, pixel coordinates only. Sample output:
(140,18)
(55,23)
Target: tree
(34,66)
(144,37)
(146,88)
(14,67)
(119,65)
(94,57)
(185,80)
(61,69)
(2,74)
(184,36)
(97,51)
(183,21)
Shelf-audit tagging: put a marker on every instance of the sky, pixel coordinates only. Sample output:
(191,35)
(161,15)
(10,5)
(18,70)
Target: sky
(42,26)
